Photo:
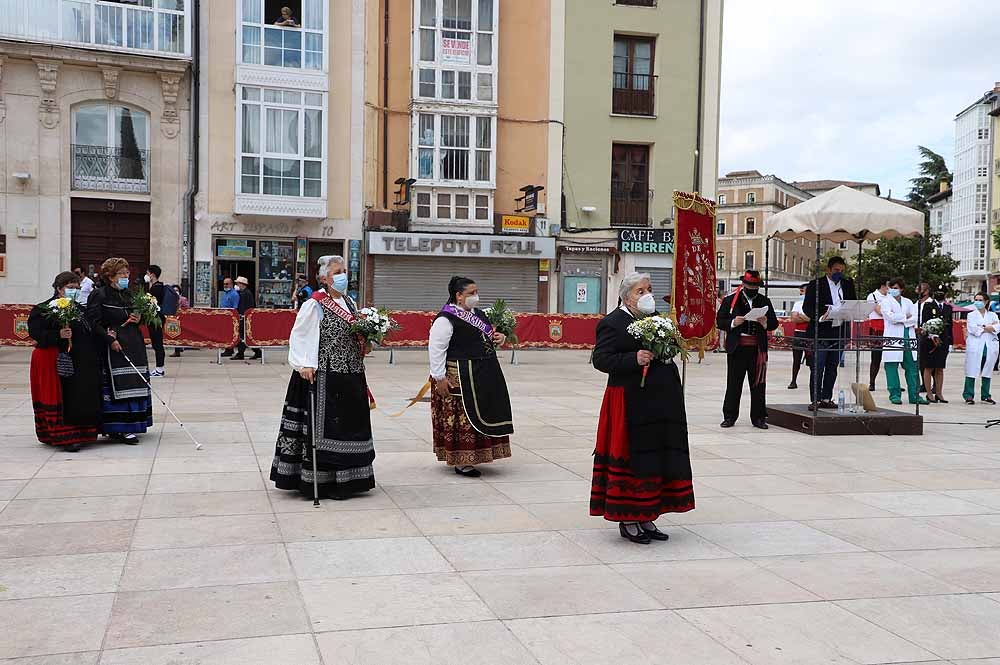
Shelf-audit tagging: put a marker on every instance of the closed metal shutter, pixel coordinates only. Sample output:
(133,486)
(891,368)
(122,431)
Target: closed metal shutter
(662,280)
(418,283)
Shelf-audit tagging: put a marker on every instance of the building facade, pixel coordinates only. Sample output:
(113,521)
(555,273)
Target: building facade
(993,246)
(282,141)
(939,216)
(968,239)
(94,138)
(639,100)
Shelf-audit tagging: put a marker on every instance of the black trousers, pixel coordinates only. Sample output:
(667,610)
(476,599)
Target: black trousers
(156,341)
(798,353)
(242,347)
(824,370)
(742,366)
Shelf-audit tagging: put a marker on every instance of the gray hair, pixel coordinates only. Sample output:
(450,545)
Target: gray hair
(630,281)
(325,263)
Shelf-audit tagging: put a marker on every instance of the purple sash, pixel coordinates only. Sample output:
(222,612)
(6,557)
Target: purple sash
(470,318)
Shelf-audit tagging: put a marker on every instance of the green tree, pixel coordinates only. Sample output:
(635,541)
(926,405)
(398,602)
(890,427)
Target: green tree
(932,171)
(900,257)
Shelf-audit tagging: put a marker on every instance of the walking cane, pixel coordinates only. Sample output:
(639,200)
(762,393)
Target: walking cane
(312,441)
(197,446)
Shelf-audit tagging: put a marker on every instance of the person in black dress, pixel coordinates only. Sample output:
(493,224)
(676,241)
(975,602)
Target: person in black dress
(934,348)
(746,348)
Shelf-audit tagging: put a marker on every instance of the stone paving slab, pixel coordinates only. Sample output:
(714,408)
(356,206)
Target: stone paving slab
(802,550)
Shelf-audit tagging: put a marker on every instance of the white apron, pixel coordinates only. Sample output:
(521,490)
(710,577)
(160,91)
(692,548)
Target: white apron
(899,316)
(975,339)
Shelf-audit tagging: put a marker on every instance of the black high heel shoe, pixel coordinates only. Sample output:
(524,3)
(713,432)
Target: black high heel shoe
(653,533)
(640,536)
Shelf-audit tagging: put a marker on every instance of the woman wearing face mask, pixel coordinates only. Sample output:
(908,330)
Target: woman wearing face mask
(934,348)
(642,466)
(126,407)
(981,349)
(67,409)
(470,406)
(323,351)
(900,314)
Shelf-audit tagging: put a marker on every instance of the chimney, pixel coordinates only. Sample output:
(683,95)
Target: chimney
(945,186)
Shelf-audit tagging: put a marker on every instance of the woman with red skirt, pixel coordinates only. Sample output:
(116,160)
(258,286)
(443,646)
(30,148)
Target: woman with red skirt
(67,408)
(642,465)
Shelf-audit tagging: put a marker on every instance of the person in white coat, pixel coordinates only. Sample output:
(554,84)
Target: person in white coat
(900,314)
(981,349)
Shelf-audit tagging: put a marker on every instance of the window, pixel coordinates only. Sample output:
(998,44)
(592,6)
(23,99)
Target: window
(720,227)
(722,199)
(629,185)
(720,261)
(110,148)
(453,206)
(748,260)
(633,76)
(282,145)
(454,147)
(455,45)
(843,245)
(283,33)
(751,197)
(751,226)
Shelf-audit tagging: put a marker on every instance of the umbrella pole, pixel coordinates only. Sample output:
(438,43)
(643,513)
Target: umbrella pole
(814,387)
(857,335)
(767,264)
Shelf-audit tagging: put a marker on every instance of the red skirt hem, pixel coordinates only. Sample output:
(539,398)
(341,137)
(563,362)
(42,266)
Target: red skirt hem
(47,401)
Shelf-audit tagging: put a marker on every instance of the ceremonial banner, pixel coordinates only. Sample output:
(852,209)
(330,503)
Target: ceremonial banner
(695,286)
(269,327)
(14,325)
(202,329)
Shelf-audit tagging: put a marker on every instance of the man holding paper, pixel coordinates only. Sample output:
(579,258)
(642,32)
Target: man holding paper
(831,290)
(746,316)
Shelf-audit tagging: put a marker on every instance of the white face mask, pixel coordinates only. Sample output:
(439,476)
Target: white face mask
(471,302)
(146,278)
(646,304)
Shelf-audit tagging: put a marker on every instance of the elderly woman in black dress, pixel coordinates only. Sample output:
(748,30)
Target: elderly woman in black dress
(642,466)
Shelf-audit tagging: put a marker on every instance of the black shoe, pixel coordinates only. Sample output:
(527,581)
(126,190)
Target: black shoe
(793,386)
(128,439)
(468,471)
(827,404)
(970,401)
(71,448)
(988,400)
(760,424)
(227,353)
(942,400)
(238,356)
(871,387)
(726,424)
(641,537)
(653,533)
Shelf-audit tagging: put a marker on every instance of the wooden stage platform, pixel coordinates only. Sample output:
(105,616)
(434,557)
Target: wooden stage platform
(884,422)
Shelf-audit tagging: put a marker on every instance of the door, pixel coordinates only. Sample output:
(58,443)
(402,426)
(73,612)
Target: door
(102,229)
(318,249)
(582,295)
(233,268)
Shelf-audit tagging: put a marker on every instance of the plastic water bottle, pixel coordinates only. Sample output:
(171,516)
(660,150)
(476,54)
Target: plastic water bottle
(840,402)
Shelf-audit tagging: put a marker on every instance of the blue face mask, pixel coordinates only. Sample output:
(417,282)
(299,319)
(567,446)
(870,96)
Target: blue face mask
(123,283)
(894,293)
(71,293)
(980,305)
(340,282)
(836,277)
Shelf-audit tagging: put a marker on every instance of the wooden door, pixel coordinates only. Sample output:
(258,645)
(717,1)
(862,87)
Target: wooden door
(104,228)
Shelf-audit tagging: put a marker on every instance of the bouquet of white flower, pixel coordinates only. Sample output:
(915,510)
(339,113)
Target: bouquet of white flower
(503,320)
(659,335)
(934,327)
(373,325)
(144,306)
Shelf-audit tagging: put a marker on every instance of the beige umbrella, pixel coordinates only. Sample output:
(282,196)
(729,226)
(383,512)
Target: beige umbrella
(844,214)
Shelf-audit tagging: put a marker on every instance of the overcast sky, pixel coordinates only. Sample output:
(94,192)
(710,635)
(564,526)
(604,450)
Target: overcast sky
(815,89)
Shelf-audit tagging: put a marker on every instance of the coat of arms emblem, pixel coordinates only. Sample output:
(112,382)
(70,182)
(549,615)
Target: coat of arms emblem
(172,327)
(555,330)
(21,326)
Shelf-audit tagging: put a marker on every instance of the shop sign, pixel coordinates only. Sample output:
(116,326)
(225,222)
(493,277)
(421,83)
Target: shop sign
(455,245)
(544,265)
(646,241)
(235,249)
(515,224)
(581,292)
(456,51)
(587,249)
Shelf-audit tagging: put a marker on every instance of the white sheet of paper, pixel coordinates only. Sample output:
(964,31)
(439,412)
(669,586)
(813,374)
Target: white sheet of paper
(756,314)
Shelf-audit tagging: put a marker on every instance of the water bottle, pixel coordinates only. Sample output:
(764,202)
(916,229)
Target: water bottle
(840,403)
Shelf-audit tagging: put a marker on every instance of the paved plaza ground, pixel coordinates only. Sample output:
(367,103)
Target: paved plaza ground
(802,550)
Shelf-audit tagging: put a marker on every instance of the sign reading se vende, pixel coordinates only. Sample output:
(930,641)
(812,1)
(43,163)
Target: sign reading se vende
(646,241)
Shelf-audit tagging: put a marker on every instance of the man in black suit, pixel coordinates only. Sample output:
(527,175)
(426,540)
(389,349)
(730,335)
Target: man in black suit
(833,288)
(746,348)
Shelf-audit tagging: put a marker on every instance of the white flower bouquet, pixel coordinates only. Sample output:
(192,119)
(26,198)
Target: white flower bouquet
(144,306)
(934,328)
(659,335)
(503,320)
(64,311)
(373,325)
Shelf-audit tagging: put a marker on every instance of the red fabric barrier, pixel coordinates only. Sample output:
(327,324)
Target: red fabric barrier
(269,327)
(202,329)
(14,325)
(550,331)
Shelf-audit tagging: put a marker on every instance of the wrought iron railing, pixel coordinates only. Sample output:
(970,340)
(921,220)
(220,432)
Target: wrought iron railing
(107,169)
(633,94)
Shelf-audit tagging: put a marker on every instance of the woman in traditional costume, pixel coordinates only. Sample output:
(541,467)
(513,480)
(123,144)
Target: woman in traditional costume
(67,408)
(642,465)
(981,349)
(326,356)
(126,406)
(470,406)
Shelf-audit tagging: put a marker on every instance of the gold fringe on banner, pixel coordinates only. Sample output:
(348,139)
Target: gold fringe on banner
(422,393)
(688,201)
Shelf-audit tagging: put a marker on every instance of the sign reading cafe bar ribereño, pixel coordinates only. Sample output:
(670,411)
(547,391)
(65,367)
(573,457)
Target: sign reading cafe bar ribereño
(646,241)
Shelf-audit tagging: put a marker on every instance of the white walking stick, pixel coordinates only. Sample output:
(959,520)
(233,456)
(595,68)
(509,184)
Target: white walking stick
(197,446)
(312,441)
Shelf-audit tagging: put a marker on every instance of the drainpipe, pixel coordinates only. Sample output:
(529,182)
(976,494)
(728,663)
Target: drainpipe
(187,283)
(385,107)
(701,101)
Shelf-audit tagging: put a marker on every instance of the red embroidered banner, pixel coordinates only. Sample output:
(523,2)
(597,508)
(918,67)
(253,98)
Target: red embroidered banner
(14,325)
(695,286)
(202,329)
(269,327)
(550,331)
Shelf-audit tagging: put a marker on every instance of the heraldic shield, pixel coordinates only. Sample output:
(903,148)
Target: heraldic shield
(555,330)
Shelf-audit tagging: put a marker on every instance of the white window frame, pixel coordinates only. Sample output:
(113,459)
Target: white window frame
(752,255)
(722,199)
(720,223)
(263,25)
(751,197)
(264,154)
(436,180)
(720,260)
(435,219)
(439,67)
(108,109)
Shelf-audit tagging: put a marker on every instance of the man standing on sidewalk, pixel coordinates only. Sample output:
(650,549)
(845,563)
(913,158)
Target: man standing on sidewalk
(155,288)
(230,300)
(247,302)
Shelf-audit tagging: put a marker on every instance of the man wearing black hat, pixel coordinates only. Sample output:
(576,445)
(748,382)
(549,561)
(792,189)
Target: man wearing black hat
(834,288)
(746,348)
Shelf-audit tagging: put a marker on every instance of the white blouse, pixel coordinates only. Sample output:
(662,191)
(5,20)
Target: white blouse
(437,347)
(303,344)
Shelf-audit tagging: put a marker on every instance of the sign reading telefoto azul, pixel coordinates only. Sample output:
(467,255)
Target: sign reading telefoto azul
(646,241)
(441,244)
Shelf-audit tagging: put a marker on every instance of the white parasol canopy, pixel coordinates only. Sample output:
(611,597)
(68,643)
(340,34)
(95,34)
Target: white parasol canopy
(844,214)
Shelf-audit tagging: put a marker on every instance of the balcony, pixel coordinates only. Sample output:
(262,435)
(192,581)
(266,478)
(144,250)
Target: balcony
(114,25)
(106,169)
(629,206)
(633,94)
(636,3)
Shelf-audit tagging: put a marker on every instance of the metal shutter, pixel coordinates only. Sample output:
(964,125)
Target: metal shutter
(418,283)
(662,280)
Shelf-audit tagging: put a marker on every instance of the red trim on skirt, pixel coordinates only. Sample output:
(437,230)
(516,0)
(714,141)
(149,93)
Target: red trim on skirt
(46,398)
(616,493)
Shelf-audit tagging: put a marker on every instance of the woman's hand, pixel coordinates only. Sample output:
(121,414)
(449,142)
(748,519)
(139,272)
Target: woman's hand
(499,338)
(644,357)
(442,387)
(308,373)
(132,318)
(367,349)
(116,346)
(66,333)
